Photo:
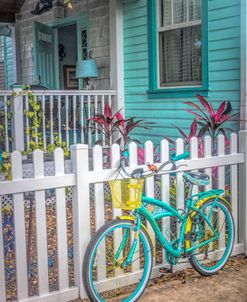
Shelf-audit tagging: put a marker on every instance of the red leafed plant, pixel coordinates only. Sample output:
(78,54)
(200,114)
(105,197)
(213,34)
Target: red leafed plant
(186,138)
(127,126)
(210,120)
(107,124)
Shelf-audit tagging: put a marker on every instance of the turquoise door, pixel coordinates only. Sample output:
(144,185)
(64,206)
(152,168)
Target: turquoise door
(9,62)
(44,58)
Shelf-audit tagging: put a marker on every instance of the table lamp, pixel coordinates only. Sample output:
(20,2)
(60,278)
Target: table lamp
(86,70)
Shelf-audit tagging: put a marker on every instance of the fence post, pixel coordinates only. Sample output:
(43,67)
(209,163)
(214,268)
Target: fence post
(243,190)
(81,209)
(18,126)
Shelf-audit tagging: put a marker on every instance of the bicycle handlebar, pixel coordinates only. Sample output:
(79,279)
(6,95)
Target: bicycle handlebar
(138,173)
(180,156)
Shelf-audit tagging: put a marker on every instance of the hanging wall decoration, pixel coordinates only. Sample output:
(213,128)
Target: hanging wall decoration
(61,52)
(42,6)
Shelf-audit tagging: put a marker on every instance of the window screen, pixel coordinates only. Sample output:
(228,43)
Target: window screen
(180,43)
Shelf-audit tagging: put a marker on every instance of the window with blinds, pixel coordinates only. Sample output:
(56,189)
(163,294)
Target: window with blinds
(180,43)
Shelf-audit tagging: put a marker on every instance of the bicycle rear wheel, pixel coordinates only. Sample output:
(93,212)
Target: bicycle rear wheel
(104,277)
(211,257)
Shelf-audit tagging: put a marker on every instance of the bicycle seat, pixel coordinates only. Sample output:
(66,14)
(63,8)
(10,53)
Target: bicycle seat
(196,178)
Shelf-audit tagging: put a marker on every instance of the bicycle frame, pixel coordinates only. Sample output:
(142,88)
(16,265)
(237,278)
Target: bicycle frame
(165,210)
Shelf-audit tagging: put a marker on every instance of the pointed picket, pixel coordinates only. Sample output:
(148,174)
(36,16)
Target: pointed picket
(234,182)
(221,185)
(165,190)
(194,155)
(19,224)
(149,183)
(61,218)
(99,209)
(208,154)
(41,230)
(133,164)
(179,178)
(133,155)
(115,163)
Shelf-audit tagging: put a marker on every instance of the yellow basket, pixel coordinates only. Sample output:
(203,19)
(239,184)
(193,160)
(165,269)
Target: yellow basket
(126,193)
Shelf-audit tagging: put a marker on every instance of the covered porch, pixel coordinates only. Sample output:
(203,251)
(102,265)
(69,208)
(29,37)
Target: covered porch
(63,110)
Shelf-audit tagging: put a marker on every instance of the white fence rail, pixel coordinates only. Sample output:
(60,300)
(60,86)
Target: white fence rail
(90,213)
(62,117)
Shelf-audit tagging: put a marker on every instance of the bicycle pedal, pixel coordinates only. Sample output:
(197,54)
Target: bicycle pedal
(165,270)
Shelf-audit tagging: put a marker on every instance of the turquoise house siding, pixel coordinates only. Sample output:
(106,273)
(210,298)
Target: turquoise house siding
(8,60)
(223,68)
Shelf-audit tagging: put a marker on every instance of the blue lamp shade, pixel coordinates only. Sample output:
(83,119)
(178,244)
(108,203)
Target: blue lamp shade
(86,69)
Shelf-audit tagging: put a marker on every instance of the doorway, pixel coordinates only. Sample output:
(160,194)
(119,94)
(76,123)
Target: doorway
(57,47)
(67,56)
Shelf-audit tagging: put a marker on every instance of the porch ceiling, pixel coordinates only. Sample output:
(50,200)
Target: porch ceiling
(8,9)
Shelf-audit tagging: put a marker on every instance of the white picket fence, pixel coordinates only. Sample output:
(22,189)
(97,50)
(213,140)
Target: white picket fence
(84,219)
(64,116)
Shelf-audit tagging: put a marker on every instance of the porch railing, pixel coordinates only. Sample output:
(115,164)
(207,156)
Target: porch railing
(62,117)
(5,120)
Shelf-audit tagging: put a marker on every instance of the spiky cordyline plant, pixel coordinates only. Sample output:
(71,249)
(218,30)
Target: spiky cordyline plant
(109,124)
(211,120)
(127,126)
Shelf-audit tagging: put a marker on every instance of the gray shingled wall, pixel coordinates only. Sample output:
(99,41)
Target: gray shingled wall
(98,11)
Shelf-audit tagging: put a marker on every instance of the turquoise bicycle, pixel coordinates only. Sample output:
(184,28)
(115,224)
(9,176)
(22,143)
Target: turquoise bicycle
(119,258)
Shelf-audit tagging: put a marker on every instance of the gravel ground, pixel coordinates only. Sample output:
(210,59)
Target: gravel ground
(229,285)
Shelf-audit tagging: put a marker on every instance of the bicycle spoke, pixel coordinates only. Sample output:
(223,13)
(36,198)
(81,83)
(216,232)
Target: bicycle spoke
(121,279)
(212,255)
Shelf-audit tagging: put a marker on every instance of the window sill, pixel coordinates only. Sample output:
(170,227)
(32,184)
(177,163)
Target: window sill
(176,92)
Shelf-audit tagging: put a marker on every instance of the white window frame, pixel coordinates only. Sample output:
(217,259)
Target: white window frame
(160,29)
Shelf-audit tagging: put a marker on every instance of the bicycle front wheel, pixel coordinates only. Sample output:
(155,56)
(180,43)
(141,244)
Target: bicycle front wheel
(211,257)
(106,274)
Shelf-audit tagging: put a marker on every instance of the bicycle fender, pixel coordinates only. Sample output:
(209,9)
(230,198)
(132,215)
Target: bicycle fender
(143,226)
(198,204)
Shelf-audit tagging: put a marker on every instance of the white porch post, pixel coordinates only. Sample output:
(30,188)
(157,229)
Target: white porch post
(243,190)
(243,96)
(81,210)
(116,52)
(18,126)
(15,52)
